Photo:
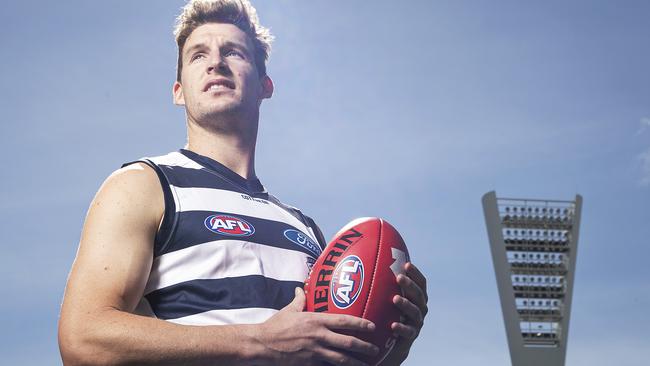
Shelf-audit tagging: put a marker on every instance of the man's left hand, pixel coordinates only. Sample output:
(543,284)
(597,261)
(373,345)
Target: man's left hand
(413,306)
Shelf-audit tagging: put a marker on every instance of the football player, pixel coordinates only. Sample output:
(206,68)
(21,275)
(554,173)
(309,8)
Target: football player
(180,260)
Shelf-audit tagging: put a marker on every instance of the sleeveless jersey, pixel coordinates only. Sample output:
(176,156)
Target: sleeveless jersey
(227,251)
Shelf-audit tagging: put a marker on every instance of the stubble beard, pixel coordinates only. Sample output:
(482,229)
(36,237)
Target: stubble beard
(232,118)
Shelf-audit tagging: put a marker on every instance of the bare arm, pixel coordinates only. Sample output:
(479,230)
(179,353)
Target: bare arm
(108,278)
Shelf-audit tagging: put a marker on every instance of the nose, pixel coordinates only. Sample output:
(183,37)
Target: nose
(218,65)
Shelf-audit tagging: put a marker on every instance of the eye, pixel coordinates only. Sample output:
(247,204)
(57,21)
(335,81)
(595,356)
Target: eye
(197,56)
(234,53)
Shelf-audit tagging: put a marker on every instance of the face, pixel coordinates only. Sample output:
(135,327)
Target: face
(219,76)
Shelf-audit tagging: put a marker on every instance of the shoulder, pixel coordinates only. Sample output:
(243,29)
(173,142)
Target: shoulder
(133,190)
(137,178)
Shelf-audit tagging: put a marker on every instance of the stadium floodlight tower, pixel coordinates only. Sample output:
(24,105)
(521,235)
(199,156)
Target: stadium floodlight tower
(534,246)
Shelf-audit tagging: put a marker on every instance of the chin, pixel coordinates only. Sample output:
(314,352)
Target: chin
(228,108)
(223,109)
(222,113)
(220,107)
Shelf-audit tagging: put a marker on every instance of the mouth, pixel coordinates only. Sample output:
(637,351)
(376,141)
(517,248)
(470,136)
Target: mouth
(219,85)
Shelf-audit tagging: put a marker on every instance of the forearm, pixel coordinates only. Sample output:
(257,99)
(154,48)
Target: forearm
(118,338)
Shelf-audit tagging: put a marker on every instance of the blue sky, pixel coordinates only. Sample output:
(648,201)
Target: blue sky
(406,110)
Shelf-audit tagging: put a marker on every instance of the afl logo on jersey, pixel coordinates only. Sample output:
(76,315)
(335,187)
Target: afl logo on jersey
(347,281)
(303,240)
(229,225)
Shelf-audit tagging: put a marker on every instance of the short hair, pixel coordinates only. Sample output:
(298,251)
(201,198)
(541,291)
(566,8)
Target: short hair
(237,12)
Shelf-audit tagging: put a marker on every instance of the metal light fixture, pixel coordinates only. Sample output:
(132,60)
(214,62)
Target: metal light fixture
(534,246)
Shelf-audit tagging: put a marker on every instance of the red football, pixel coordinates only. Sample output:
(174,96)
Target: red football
(357,275)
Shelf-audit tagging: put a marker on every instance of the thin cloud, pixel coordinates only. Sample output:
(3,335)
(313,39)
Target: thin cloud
(645,124)
(645,167)
(644,157)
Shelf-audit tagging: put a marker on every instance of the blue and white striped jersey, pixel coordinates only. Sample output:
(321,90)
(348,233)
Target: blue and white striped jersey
(227,252)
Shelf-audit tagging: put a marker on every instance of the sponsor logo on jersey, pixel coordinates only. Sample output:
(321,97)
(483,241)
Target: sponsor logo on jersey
(303,240)
(347,281)
(229,225)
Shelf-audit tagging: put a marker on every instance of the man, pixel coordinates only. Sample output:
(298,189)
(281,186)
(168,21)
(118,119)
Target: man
(180,260)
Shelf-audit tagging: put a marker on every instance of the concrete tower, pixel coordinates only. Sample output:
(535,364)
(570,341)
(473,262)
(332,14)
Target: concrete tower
(534,246)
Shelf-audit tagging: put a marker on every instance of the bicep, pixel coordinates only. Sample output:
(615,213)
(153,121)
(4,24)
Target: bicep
(116,246)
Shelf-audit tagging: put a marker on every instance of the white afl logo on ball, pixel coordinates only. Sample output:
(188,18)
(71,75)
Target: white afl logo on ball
(347,281)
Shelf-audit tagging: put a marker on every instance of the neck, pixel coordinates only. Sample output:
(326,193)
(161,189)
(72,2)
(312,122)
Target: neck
(233,149)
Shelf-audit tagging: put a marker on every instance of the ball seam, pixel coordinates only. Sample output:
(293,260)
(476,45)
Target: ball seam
(374,269)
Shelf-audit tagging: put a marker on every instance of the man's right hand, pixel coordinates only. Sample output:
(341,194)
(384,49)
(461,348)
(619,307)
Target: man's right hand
(294,337)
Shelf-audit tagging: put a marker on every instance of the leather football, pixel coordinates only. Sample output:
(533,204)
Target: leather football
(357,275)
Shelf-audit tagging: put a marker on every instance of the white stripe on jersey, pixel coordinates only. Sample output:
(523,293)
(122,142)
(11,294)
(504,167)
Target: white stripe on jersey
(230,316)
(206,199)
(177,159)
(226,258)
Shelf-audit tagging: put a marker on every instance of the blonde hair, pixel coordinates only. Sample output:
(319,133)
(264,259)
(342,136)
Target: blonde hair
(237,12)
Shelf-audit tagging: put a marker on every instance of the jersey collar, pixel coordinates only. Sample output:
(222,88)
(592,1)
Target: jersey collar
(252,185)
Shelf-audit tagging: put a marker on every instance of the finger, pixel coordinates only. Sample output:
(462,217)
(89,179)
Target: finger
(338,358)
(345,322)
(404,331)
(409,309)
(416,275)
(413,292)
(298,302)
(349,344)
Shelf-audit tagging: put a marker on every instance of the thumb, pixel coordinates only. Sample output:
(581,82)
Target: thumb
(298,303)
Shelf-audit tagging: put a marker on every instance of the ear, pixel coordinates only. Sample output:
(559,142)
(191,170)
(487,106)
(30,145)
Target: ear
(267,87)
(177,91)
